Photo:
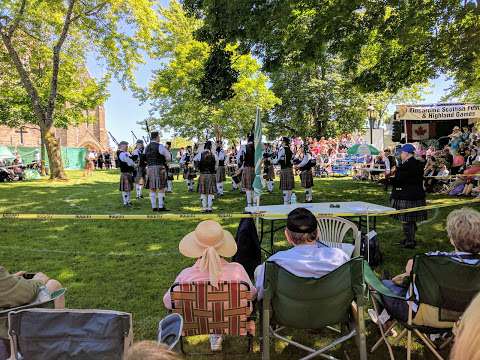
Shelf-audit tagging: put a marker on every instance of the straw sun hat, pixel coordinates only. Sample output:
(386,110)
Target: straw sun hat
(208,242)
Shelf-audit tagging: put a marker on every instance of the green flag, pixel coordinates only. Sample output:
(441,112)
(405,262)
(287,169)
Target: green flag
(257,184)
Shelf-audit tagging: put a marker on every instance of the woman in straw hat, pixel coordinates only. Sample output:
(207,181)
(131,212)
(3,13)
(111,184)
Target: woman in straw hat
(209,244)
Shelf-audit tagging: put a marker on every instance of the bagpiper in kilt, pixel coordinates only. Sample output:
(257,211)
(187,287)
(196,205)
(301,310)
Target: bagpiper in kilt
(408,192)
(287,180)
(248,165)
(168,145)
(305,165)
(157,156)
(126,165)
(268,168)
(189,173)
(138,156)
(220,174)
(207,188)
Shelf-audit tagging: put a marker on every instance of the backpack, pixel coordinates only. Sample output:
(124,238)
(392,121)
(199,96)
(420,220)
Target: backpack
(249,253)
(373,254)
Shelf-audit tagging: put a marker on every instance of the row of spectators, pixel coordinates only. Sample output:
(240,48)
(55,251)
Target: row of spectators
(210,246)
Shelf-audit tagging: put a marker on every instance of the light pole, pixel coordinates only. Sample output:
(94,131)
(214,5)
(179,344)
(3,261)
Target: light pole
(371,119)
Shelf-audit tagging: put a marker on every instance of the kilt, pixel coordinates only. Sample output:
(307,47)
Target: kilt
(156,177)
(189,173)
(306,177)
(237,178)
(169,174)
(287,181)
(139,177)
(407,204)
(248,176)
(269,173)
(221,177)
(126,182)
(207,184)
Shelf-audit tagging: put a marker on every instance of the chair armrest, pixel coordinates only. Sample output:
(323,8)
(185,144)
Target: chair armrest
(374,282)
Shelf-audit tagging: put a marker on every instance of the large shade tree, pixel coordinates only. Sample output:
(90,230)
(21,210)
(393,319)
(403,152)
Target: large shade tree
(46,42)
(179,87)
(386,45)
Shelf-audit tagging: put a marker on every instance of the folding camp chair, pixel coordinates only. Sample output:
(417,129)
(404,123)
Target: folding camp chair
(333,231)
(307,303)
(444,288)
(47,334)
(44,304)
(207,310)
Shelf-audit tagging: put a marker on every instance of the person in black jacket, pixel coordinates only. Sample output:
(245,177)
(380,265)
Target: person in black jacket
(408,193)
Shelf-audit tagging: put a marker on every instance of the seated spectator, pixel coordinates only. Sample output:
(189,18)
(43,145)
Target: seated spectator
(16,290)
(467,339)
(308,257)
(471,181)
(463,229)
(208,243)
(150,350)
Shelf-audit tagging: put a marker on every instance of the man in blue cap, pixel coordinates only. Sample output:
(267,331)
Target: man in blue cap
(408,192)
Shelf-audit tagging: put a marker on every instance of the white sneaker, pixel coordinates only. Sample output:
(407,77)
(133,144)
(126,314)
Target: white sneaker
(216,342)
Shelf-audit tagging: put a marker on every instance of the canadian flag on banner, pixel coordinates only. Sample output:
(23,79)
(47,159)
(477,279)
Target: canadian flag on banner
(420,132)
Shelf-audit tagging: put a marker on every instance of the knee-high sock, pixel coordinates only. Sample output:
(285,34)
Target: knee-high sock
(285,198)
(210,202)
(153,199)
(192,182)
(126,197)
(249,197)
(169,185)
(161,197)
(203,198)
(234,185)
(138,187)
(220,188)
(409,231)
(270,185)
(289,196)
(308,194)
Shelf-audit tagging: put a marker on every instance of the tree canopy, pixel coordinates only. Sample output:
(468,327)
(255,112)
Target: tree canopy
(177,90)
(43,49)
(386,45)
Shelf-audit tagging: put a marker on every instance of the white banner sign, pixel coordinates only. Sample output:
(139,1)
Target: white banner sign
(438,112)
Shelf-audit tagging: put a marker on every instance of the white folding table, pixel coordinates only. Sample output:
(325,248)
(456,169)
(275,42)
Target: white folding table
(358,209)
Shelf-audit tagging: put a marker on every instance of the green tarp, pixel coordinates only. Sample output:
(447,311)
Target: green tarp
(73,158)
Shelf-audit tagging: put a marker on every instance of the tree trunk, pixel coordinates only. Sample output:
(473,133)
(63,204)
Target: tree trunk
(43,156)
(54,153)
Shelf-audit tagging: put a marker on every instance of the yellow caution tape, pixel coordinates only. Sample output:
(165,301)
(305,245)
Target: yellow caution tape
(221,216)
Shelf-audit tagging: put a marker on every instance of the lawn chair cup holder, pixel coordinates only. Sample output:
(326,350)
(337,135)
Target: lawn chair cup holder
(206,310)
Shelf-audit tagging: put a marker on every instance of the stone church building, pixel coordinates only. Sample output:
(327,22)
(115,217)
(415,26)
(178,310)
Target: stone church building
(91,135)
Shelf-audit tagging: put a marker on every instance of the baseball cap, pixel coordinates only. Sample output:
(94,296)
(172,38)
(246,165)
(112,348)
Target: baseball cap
(302,221)
(408,148)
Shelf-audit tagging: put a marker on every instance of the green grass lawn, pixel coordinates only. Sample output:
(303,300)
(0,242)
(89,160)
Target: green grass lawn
(128,265)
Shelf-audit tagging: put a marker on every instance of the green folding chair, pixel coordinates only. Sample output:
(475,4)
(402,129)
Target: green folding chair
(444,288)
(309,303)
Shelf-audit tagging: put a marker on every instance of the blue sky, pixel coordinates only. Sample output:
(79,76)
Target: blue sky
(123,111)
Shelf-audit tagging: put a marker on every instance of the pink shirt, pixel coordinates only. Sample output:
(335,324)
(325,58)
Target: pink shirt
(230,272)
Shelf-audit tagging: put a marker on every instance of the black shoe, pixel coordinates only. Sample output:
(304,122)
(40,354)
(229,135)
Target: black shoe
(141,196)
(163,209)
(401,243)
(410,245)
(154,209)
(129,205)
